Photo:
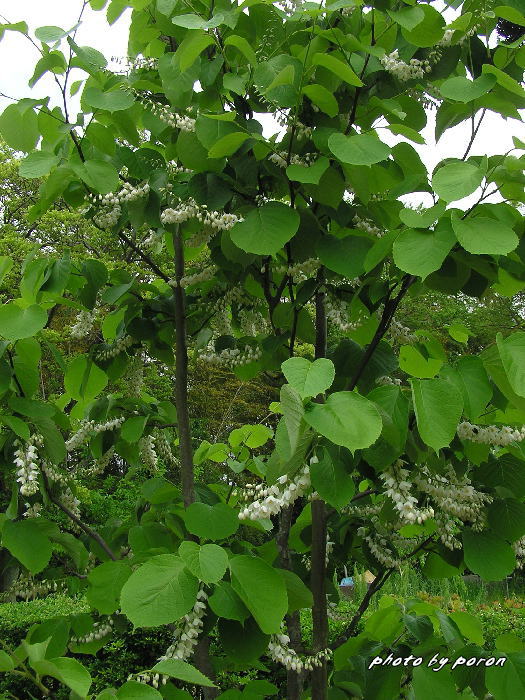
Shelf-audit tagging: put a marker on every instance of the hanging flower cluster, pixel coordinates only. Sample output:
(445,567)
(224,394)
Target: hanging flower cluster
(519,551)
(232,357)
(415,69)
(135,375)
(127,193)
(164,450)
(337,313)
(25,587)
(219,221)
(108,216)
(26,459)
(89,428)
(177,121)
(388,381)
(380,548)
(490,434)
(99,631)
(270,500)
(32,511)
(120,345)
(398,488)
(281,159)
(99,465)
(300,271)
(401,333)
(455,497)
(280,651)
(70,501)
(252,321)
(153,238)
(148,456)
(203,276)
(368,226)
(185,636)
(84,324)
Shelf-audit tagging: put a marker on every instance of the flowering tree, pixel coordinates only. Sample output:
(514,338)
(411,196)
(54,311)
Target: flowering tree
(251,248)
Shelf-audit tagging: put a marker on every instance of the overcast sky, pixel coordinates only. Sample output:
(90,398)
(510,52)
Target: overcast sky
(18,57)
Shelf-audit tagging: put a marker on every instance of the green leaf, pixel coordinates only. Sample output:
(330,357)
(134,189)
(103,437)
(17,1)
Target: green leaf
(105,584)
(191,47)
(422,219)
(133,690)
(337,67)
(133,428)
(6,264)
(6,662)
(244,47)
(19,128)
(68,671)
(159,592)
(17,323)
(322,98)
(228,145)
(427,32)
(488,555)
(189,21)
(436,426)
(266,229)
(347,419)
(38,164)
(504,79)
(293,412)
(261,589)
(481,235)
(208,563)
(111,101)
(299,595)
(225,603)
(27,543)
(422,252)
(360,149)
(211,522)
(83,379)
(48,35)
(183,672)
(408,17)
(456,180)
(461,89)
(407,132)
(308,174)
(506,518)
(309,378)
(512,353)
(99,175)
(427,683)
(470,377)
(505,683)
(331,480)
(346,256)
(469,626)
(414,360)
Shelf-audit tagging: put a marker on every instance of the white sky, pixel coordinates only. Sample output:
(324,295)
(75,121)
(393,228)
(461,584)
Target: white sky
(18,57)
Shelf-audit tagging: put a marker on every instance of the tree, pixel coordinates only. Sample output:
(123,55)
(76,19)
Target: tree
(248,246)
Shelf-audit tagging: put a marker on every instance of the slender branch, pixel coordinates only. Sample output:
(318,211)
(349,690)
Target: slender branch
(474,132)
(144,256)
(85,528)
(318,578)
(386,319)
(375,586)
